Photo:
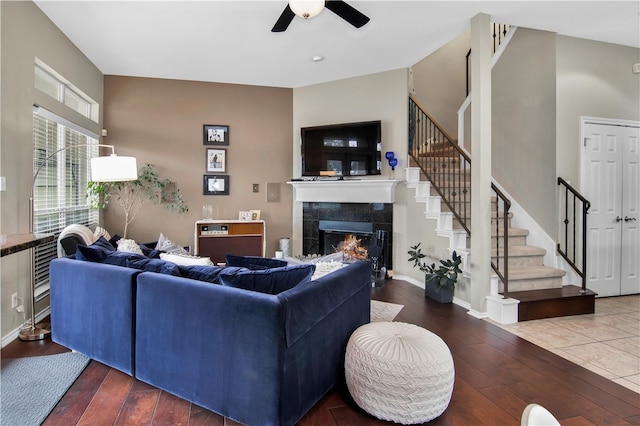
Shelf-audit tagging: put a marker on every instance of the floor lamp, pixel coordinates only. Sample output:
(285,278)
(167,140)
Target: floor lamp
(109,168)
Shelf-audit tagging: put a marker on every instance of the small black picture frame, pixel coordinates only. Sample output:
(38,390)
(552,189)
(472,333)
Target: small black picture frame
(215,185)
(215,134)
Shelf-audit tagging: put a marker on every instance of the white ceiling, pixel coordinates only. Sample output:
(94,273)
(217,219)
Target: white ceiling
(232,42)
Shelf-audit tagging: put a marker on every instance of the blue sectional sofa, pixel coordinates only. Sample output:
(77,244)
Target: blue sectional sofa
(256,358)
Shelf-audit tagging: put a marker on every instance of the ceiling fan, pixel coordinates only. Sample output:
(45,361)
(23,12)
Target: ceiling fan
(308,9)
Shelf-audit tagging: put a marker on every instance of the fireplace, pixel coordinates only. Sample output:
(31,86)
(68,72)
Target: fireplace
(351,238)
(354,228)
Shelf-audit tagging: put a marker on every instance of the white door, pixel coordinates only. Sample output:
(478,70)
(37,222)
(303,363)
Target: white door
(610,182)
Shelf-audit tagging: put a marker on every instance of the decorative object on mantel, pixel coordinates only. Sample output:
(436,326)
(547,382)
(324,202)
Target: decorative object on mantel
(439,281)
(133,195)
(391,158)
(214,134)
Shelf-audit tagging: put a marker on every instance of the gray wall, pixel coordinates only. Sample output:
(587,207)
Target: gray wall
(440,82)
(524,122)
(593,79)
(26,34)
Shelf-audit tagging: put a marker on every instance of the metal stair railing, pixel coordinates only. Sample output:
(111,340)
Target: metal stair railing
(500,224)
(448,169)
(442,161)
(573,237)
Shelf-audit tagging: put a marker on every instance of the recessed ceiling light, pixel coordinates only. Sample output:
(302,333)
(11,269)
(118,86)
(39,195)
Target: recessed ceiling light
(317,58)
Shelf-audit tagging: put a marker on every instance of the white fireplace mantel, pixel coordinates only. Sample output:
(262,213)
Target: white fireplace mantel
(345,191)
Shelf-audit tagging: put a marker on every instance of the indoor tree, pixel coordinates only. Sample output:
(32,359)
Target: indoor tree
(132,196)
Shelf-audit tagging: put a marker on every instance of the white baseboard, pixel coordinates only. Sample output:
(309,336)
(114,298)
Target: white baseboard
(13,335)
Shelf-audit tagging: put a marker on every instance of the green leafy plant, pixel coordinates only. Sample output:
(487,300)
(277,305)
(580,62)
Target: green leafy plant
(446,273)
(132,196)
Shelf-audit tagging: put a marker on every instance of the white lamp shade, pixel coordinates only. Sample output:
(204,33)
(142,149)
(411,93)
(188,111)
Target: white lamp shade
(306,8)
(113,169)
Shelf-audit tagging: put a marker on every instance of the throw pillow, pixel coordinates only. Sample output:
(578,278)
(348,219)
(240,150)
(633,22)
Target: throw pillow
(120,258)
(153,265)
(270,281)
(166,245)
(253,262)
(185,259)
(129,246)
(210,274)
(114,240)
(101,232)
(96,252)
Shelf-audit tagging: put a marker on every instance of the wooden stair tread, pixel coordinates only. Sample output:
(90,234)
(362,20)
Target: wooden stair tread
(565,291)
(554,302)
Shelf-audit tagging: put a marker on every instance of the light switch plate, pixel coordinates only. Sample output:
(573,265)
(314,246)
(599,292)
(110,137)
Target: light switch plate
(3,183)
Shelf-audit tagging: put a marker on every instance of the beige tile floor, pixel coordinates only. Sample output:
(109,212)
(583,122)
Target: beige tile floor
(607,342)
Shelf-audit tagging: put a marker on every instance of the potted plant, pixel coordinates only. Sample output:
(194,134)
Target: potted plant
(440,281)
(132,196)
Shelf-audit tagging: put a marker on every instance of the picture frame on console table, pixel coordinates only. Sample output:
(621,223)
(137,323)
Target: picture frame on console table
(215,134)
(215,185)
(216,160)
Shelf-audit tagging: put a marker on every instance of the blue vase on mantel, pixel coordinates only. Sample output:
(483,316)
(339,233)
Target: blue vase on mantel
(439,294)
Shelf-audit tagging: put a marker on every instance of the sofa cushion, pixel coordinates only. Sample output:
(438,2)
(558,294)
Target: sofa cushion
(253,262)
(153,265)
(271,281)
(96,252)
(206,273)
(120,258)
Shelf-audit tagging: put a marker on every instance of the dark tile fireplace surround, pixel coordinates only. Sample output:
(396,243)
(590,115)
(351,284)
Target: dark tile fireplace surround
(362,219)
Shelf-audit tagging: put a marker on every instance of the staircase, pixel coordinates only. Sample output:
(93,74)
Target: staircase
(538,288)
(440,173)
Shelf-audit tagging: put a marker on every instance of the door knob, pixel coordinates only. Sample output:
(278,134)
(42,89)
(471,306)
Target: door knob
(629,219)
(618,219)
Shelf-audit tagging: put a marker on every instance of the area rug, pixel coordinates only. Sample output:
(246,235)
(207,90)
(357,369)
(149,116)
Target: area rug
(384,311)
(31,387)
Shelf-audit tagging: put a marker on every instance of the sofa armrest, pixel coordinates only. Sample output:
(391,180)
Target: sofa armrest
(307,304)
(92,310)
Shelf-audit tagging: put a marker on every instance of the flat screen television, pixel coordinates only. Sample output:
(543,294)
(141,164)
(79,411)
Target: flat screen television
(350,149)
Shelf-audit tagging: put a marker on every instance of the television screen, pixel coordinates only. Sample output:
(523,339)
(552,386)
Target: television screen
(351,149)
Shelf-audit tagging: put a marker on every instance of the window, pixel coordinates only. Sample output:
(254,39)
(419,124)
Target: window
(60,186)
(54,85)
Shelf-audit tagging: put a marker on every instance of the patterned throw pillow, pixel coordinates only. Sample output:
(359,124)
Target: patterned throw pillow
(129,246)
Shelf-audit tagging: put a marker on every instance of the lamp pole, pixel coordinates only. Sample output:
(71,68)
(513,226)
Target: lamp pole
(33,332)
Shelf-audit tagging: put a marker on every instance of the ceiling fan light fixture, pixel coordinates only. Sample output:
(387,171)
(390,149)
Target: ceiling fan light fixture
(306,8)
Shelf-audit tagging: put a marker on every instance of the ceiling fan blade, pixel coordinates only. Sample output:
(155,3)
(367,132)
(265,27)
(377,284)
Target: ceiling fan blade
(284,20)
(346,12)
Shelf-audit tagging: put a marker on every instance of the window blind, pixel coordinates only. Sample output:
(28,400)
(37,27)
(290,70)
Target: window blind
(60,187)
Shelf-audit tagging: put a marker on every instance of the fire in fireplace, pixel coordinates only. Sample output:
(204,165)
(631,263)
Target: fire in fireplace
(350,238)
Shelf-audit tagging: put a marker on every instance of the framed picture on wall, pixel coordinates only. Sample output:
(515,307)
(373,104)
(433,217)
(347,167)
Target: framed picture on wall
(215,134)
(215,185)
(216,160)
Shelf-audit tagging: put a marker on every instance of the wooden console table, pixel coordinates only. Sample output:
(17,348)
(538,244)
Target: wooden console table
(215,238)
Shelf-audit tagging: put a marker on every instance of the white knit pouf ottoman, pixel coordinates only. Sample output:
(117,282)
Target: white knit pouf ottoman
(399,372)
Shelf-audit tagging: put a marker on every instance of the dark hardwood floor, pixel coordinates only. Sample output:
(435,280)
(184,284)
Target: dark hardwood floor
(497,375)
